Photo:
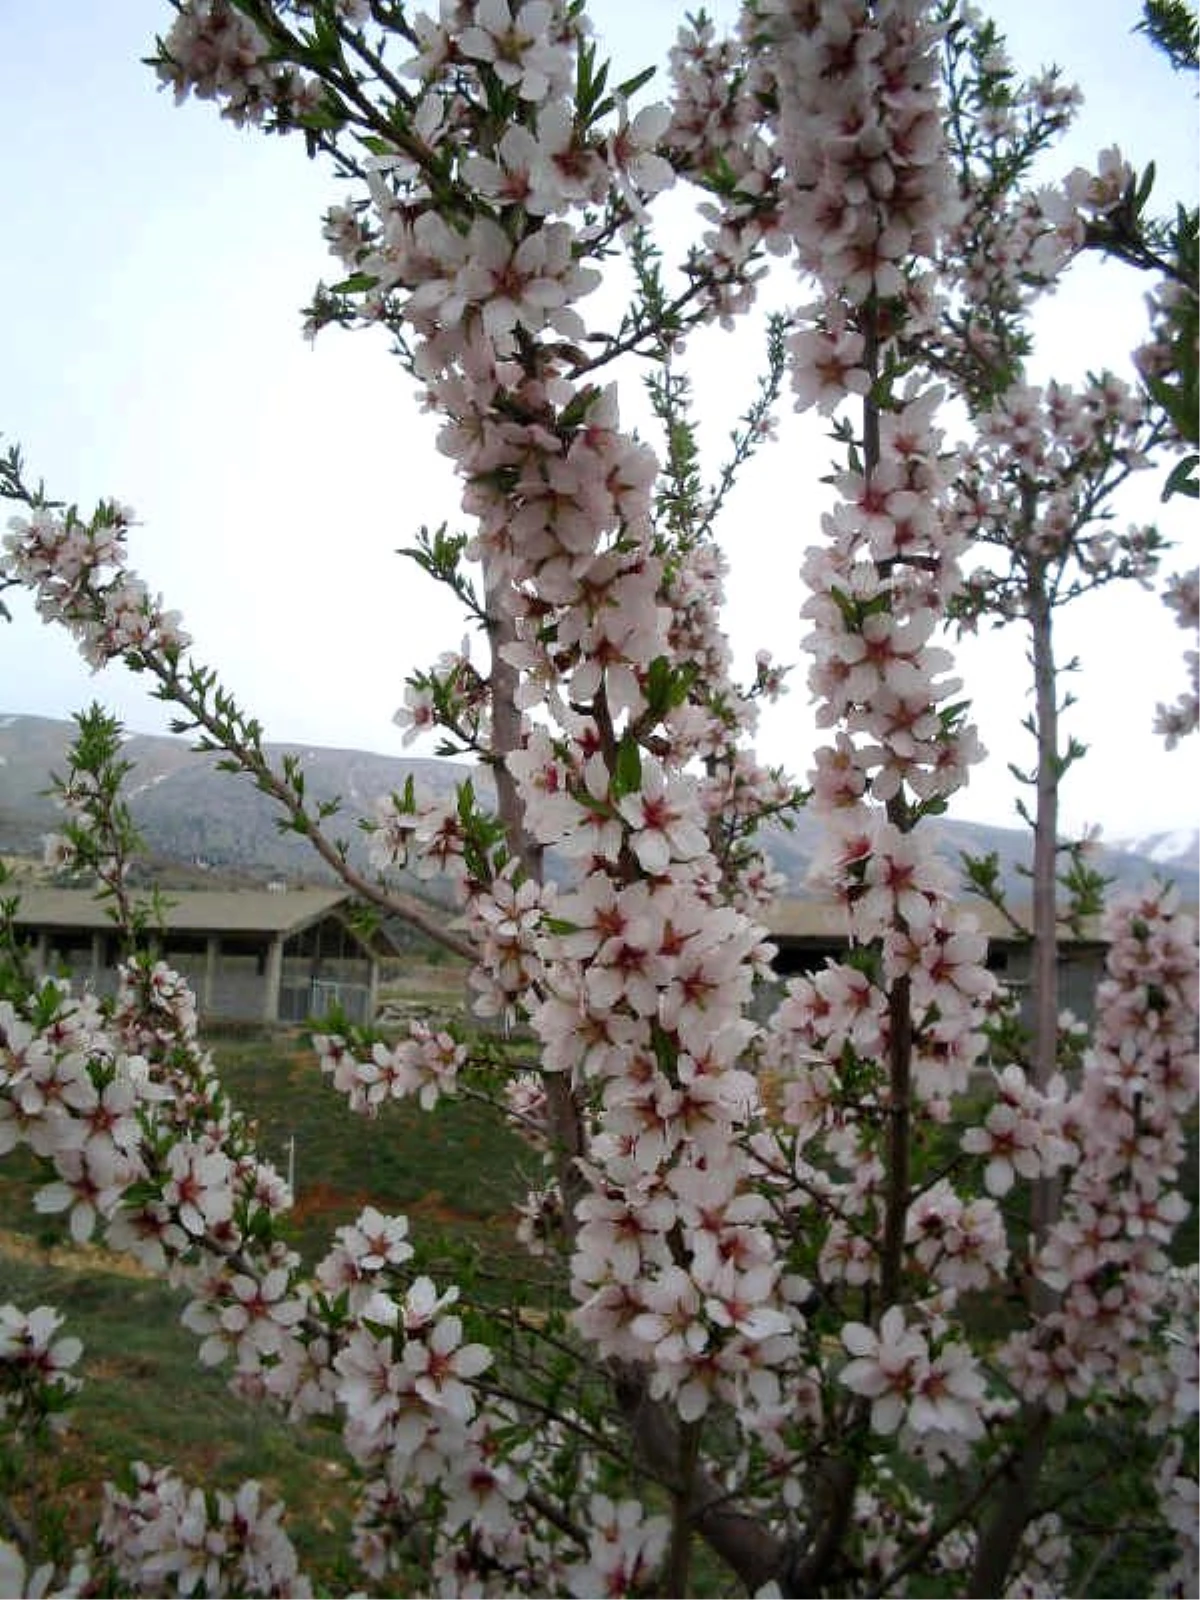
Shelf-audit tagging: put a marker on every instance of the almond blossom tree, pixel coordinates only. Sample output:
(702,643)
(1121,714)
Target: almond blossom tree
(829,1295)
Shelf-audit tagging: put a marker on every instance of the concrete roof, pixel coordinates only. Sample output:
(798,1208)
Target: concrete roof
(189,910)
(287,911)
(820,921)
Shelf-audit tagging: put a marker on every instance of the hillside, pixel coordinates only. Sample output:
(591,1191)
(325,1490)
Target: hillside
(195,819)
(199,821)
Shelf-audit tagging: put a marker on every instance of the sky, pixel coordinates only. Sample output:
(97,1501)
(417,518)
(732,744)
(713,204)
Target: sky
(154,265)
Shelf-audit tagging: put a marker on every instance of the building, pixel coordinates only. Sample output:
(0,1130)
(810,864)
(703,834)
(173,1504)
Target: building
(288,955)
(807,932)
(271,955)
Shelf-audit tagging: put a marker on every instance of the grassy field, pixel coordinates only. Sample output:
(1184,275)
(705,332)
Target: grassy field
(145,1398)
(452,1171)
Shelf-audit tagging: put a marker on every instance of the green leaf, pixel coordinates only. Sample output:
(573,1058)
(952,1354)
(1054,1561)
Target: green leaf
(1183,479)
(356,283)
(1144,187)
(628,775)
(658,686)
(630,86)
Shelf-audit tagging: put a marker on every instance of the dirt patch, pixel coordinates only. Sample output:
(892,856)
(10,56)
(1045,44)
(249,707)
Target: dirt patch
(323,1200)
(108,1368)
(432,1207)
(70,1257)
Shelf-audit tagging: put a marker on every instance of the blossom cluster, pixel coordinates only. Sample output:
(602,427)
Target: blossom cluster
(35,1376)
(765,1230)
(426,1065)
(868,187)
(164,1535)
(77,572)
(1105,1257)
(1046,449)
(217,53)
(1182,596)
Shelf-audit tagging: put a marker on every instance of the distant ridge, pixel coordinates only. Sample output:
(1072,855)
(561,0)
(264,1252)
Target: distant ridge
(197,821)
(194,819)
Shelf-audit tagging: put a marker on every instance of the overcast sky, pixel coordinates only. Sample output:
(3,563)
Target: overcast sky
(153,268)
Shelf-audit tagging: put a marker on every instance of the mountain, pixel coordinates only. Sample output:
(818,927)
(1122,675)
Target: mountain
(1173,849)
(1127,865)
(198,821)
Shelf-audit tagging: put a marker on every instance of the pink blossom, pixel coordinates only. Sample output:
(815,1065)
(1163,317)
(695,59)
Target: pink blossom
(663,820)
(441,1365)
(198,1186)
(889,1367)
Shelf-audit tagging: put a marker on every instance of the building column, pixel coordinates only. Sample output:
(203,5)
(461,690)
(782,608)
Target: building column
(212,955)
(272,979)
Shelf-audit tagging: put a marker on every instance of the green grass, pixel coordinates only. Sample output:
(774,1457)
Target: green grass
(451,1169)
(145,1397)
(457,1171)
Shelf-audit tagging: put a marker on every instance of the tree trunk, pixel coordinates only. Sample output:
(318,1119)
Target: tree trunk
(1001,1537)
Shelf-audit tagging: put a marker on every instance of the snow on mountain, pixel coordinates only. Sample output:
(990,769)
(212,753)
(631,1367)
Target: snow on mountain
(1176,847)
